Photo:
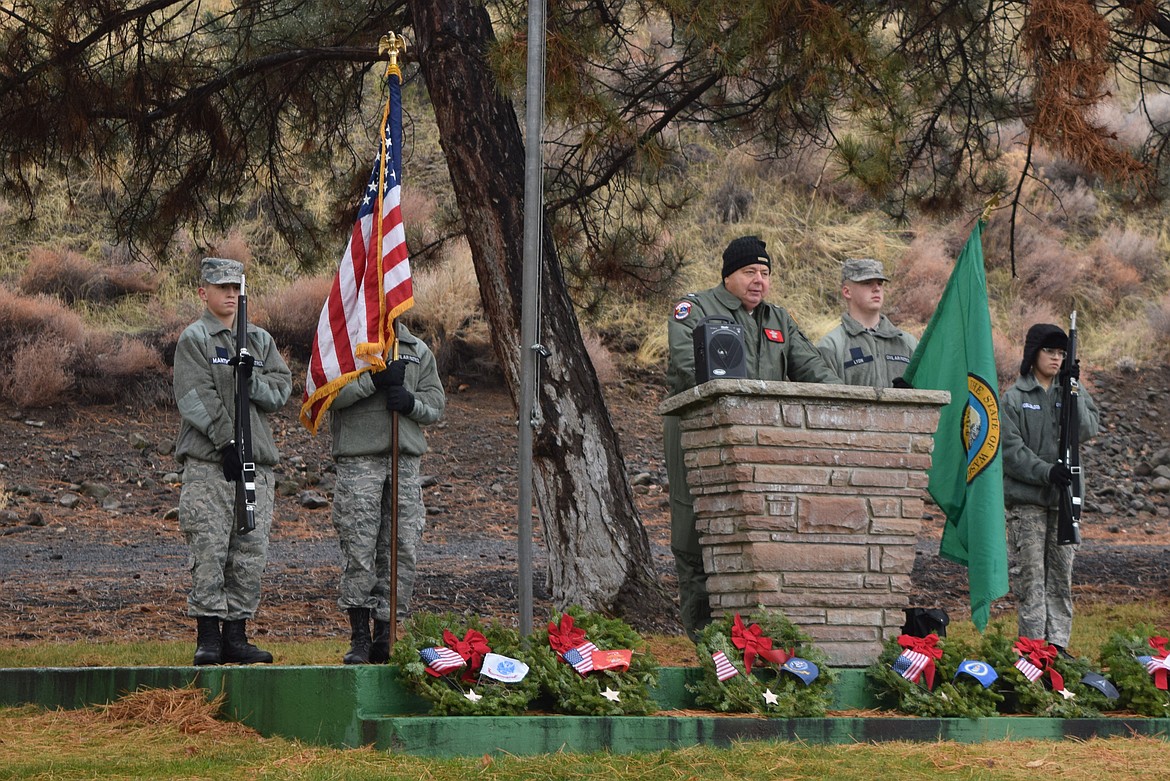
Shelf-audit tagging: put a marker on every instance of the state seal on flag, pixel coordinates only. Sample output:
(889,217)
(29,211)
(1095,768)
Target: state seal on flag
(980,425)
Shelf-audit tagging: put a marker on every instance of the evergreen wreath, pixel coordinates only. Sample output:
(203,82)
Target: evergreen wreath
(952,696)
(1139,690)
(745,691)
(1038,697)
(599,692)
(462,692)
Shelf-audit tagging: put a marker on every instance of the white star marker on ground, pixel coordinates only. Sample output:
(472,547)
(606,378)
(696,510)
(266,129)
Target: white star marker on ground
(471,695)
(770,697)
(611,695)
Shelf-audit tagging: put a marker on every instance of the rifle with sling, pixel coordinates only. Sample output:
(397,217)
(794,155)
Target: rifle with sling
(1068,527)
(243,362)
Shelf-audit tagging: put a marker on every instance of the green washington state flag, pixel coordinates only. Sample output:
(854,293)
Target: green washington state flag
(966,473)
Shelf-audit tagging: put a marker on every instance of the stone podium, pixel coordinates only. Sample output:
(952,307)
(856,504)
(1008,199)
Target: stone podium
(808,500)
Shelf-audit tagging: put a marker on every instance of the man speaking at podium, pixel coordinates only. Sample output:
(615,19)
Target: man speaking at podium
(774,348)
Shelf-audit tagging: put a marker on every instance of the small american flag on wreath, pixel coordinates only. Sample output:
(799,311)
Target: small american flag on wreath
(581,657)
(910,664)
(1030,671)
(440,660)
(724,669)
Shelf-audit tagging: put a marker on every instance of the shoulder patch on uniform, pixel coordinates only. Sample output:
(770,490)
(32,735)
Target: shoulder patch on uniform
(682,310)
(774,335)
(409,358)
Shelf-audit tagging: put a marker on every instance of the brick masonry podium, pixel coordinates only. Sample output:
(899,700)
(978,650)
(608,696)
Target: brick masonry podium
(809,500)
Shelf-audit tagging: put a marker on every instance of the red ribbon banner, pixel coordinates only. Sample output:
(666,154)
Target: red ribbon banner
(755,643)
(564,636)
(924,645)
(1041,654)
(472,648)
(1158,643)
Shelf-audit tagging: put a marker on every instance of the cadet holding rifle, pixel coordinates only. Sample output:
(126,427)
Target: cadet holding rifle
(227,560)
(1035,477)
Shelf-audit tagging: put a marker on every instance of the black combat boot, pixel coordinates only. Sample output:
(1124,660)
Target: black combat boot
(380,648)
(237,649)
(209,645)
(359,636)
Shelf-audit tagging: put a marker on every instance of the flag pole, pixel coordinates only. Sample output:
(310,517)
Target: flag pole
(530,299)
(390,45)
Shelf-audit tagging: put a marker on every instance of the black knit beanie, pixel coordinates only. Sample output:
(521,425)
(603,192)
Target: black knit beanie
(1039,336)
(744,251)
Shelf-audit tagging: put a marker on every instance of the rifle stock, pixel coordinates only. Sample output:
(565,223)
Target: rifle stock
(246,485)
(1068,527)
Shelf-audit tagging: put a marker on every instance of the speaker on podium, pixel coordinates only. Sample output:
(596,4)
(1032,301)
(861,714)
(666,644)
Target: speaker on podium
(719,353)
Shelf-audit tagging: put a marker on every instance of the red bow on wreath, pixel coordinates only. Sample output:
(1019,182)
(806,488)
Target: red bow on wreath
(1042,655)
(565,636)
(928,647)
(1160,672)
(755,643)
(472,648)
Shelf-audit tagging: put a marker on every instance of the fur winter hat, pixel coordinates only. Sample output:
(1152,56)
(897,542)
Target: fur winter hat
(744,251)
(1039,336)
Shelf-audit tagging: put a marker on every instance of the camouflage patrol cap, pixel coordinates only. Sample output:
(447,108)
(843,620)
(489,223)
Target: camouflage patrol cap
(221,271)
(862,270)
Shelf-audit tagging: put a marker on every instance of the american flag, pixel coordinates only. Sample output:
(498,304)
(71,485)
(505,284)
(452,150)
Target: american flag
(724,669)
(441,659)
(581,657)
(910,664)
(1030,671)
(372,285)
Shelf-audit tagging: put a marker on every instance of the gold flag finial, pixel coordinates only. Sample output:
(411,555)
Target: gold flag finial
(392,44)
(989,207)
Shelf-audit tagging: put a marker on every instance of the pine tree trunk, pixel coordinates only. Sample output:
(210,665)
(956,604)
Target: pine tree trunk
(598,551)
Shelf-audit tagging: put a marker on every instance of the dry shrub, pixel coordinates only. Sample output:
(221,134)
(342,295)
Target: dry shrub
(733,196)
(233,246)
(418,219)
(120,368)
(1158,315)
(448,315)
(72,277)
(1135,249)
(1070,205)
(1050,272)
(920,279)
(602,359)
(1007,358)
(188,710)
(1111,280)
(39,374)
(290,314)
(23,318)
(999,243)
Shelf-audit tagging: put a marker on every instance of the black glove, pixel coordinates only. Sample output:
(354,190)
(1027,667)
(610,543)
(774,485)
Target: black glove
(399,399)
(243,364)
(901,383)
(233,467)
(1059,476)
(393,375)
(1073,372)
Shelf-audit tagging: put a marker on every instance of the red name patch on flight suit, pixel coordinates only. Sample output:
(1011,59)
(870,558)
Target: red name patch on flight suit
(773,335)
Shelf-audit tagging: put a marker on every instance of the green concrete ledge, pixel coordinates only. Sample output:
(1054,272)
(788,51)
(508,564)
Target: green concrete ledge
(366,705)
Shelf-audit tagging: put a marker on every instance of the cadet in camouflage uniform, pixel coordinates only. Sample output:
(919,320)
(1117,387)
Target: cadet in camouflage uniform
(866,349)
(775,349)
(226,567)
(360,422)
(1040,570)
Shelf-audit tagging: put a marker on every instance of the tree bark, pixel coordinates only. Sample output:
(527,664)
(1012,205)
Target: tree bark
(598,551)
